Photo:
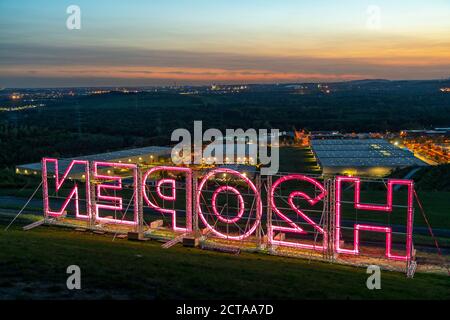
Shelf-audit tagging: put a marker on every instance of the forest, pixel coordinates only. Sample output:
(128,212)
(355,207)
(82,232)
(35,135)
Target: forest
(79,125)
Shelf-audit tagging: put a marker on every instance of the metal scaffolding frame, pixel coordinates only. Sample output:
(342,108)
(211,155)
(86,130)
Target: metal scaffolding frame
(257,241)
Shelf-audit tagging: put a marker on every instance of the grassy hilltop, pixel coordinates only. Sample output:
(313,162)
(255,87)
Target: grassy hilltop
(33,265)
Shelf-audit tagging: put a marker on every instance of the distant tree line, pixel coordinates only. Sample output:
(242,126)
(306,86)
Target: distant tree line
(91,124)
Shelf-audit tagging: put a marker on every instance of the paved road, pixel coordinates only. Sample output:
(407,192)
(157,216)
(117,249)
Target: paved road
(12,201)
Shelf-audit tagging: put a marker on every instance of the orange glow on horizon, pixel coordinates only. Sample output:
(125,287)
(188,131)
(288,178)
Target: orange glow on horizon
(171,73)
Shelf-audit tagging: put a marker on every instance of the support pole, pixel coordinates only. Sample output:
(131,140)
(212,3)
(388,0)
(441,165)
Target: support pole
(23,208)
(331,191)
(326,220)
(269,214)
(140,223)
(92,209)
(44,189)
(195,226)
(259,228)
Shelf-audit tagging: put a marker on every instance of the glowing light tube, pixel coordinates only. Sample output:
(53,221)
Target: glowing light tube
(294,228)
(73,195)
(117,201)
(172,196)
(211,228)
(388,208)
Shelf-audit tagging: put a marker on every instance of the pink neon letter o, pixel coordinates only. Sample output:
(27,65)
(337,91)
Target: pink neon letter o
(250,184)
(240,200)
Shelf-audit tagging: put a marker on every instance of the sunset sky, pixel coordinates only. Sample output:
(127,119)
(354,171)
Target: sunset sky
(157,42)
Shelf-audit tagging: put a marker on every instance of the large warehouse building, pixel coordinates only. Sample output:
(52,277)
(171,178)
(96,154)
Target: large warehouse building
(147,155)
(363,157)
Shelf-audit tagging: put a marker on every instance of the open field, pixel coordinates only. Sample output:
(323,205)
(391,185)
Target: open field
(298,160)
(33,265)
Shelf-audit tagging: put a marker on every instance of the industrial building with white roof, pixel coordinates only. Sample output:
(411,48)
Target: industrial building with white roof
(365,157)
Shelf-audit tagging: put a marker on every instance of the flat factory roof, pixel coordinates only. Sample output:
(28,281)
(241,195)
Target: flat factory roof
(362,153)
(108,157)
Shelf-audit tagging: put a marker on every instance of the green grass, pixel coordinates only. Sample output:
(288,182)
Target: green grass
(437,208)
(297,160)
(33,265)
